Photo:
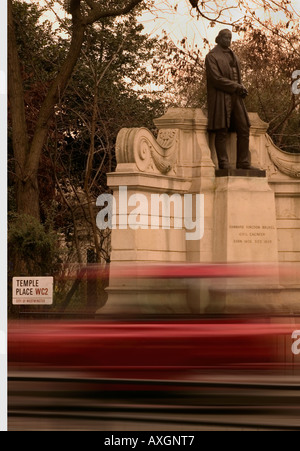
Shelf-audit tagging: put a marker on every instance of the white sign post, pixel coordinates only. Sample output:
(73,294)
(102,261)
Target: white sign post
(32,290)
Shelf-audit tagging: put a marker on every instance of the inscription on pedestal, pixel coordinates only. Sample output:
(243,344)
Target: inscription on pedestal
(245,221)
(252,234)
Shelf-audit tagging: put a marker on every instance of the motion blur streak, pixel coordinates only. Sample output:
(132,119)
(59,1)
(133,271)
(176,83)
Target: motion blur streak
(195,375)
(204,371)
(147,349)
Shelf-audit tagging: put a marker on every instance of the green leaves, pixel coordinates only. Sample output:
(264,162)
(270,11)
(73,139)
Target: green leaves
(32,244)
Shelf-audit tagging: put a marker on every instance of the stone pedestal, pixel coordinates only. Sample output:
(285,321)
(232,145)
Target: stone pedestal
(144,233)
(245,231)
(175,165)
(249,217)
(195,164)
(245,228)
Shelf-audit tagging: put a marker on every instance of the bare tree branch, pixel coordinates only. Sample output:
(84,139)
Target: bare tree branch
(92,4)
(98,12)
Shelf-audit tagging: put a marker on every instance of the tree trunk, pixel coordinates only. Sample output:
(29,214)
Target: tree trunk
(26,191)
(28,156)
(53,97)
(29,187)
(28,197)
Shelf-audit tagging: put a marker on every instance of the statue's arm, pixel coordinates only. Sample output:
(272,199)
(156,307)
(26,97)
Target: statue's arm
(217,79)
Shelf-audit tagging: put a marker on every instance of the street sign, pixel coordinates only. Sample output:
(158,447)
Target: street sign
(32,290)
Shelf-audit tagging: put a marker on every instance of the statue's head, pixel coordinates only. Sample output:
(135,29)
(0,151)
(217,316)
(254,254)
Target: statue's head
(224,38)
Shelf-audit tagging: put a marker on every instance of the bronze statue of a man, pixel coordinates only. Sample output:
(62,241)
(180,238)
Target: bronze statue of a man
(226,108)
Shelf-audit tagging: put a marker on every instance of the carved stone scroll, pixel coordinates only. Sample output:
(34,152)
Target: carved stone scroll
(139,146)
(287,163)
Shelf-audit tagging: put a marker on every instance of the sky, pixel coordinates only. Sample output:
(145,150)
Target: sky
(184,23)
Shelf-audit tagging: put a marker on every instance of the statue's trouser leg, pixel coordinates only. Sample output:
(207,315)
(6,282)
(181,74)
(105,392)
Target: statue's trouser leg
(220,143)
(243,135)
